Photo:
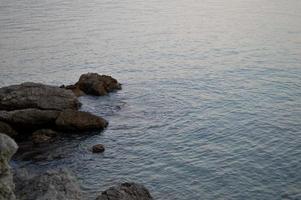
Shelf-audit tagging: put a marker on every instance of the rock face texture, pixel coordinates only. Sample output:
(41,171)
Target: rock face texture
(126,191)
(30,118)
(35,95)
(52,185)
(7,129)
(70,120)
(8,147)
(94,84)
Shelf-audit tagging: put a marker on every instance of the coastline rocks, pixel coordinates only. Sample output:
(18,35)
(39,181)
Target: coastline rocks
(43,136)
(52,185)
(70,120)
(94,84)
(36,95)
(8,147)
(126,191)
(7,129)
(98,148)
(29,118)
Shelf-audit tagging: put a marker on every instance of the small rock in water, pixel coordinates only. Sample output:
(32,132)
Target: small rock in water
(98,148)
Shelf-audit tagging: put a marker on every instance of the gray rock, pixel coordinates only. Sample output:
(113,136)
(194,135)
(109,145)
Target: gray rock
(126,191)
(36,95)
(7,129)
(8,147)
(71,120)
(52,185)
(30,118)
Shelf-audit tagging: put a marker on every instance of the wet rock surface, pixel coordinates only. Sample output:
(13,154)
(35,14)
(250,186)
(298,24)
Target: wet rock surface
(126,191)
(44,136)
(98,148)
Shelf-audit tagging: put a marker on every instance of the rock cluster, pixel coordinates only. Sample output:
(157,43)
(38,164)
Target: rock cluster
(29,107)
(41,113)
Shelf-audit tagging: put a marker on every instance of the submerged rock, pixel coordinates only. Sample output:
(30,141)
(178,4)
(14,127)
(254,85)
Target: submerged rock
(43,136)
(94,84)
(36,95)
(8,147)
(98,148)
(71,120)
(52,185)
(126,191)
(7,129)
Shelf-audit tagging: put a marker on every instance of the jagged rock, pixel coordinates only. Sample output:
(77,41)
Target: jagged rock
(36,95)
(126,191)
(30,118)
(71,120)
(43,136)
(8,147)
(95,84)
(7,129)
(52,185)
(98,148)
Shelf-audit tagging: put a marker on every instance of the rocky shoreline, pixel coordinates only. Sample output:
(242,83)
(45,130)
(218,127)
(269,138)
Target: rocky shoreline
(35,115)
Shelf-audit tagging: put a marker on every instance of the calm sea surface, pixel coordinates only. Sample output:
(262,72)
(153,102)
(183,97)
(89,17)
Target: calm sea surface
(211,99)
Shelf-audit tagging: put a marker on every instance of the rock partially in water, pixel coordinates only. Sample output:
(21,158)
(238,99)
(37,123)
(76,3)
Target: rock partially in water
(98,148)
(126,191)
(79,121)
(95,84)
(8,147)
(78,92)
(7,129)
(31,118)
(44,136)
(36,95)
(52,185)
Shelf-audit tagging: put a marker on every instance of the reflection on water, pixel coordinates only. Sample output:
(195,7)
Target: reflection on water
(211,100)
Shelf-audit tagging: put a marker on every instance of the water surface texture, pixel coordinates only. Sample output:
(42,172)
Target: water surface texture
(211,99)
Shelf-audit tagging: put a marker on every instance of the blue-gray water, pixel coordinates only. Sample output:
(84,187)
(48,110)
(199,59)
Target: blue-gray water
(211,99)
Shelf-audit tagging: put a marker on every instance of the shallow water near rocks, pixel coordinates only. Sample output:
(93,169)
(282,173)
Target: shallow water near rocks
(211,99)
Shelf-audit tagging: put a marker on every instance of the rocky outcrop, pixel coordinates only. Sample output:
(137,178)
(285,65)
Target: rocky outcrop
(8,147)
(126,191)
(52,185)
(7,129)
(94,84)
(70,120)
(35,95)
(30,118)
